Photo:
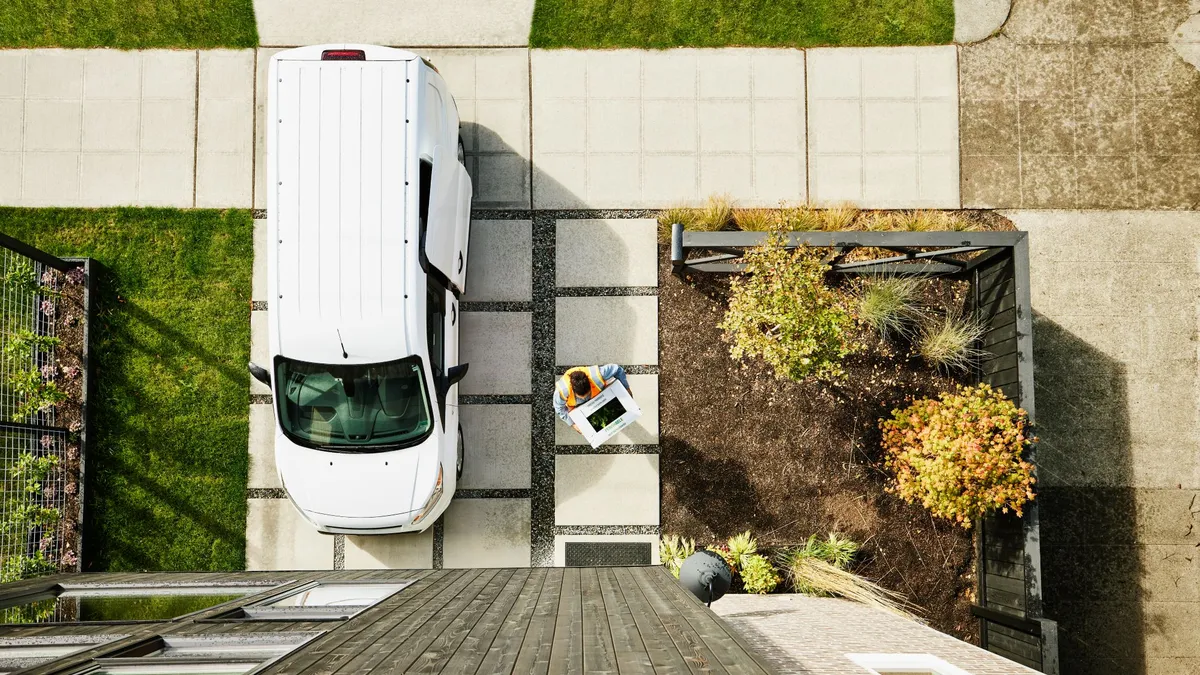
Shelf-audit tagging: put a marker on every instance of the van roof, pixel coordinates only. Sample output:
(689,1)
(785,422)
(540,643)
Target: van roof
(339,155)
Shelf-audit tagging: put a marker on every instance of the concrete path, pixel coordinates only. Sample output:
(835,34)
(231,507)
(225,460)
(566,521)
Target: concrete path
(112,128)
(1081,105)
(1116,299)
(461,23)
(532,492)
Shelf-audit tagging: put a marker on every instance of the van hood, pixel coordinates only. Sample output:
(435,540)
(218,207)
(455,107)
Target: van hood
(357,485)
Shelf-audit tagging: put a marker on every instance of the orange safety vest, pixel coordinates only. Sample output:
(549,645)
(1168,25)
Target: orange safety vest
(593,376)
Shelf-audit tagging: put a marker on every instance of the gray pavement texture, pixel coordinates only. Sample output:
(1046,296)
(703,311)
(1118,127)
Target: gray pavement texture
(977,20)
(801,634)
(463,23)
(100,127)
(1081,105)
(1116,300)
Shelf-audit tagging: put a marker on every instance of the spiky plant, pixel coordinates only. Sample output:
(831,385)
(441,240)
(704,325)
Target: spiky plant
(756,220)
(683,215)
(812,576)
(741,547)
(673,550)
(800,217)
(935,221)
(836,550)
(838,218)
(890,303)
(716,213)
(948,342)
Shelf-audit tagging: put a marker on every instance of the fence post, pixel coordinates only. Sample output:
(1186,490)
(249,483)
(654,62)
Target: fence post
(677,255)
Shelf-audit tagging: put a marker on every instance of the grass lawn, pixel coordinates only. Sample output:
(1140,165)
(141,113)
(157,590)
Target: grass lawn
(127,24)
(166,483)
(723,23)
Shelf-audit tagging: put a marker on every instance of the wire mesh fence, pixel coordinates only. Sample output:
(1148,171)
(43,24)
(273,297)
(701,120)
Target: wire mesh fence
(39,458)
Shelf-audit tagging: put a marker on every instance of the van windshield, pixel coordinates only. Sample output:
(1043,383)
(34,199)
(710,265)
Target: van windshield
(353,407)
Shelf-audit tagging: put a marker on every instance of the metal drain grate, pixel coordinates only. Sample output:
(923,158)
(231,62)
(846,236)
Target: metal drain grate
(608,554)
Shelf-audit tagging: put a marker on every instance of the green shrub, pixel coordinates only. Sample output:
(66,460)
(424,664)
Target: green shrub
(740,547)
(17,567)
(960,455)
(948,342)
(673,550)
(889,303)
(758,574)
(781,311)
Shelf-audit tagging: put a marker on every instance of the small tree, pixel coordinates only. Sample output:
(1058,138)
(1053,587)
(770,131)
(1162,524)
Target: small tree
(781,311)
(960,455)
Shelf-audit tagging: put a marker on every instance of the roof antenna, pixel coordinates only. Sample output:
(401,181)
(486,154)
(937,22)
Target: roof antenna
(343,344)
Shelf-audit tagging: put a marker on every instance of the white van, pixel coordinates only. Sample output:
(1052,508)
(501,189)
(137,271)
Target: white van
(368,218)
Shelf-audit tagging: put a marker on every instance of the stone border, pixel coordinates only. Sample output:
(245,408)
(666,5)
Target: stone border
(978,20)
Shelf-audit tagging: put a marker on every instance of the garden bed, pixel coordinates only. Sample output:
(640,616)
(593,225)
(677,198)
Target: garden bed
(744,450)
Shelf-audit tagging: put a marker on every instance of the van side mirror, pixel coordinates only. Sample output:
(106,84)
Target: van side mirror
(259,373)
(455,374)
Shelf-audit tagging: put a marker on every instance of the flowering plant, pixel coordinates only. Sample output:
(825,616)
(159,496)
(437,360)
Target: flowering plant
(960,455)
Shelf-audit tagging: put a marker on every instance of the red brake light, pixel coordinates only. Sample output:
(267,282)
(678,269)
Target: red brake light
(343,55)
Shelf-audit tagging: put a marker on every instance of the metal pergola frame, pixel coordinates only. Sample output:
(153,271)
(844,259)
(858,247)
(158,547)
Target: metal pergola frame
(996,265)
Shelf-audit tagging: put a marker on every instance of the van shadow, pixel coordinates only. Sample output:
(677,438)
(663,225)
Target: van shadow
(1091,569)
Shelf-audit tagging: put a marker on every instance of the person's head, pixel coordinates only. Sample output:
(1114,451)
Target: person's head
(580,384)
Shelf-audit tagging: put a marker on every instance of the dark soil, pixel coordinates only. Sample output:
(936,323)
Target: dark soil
(70,316)
(743,450)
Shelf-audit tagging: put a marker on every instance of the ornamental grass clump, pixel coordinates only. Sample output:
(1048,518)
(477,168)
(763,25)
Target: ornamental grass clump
(781,311)
(960,455)
(683,215)
(890,304)
(948,342)
(757,220)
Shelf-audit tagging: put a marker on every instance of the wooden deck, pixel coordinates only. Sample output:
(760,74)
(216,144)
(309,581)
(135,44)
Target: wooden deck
(543,620)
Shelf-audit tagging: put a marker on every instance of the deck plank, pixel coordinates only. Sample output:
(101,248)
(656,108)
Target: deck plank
(451,641)
(502,653)
(598,652)
(533,655)
(470,655)
(628,646)
(665,656)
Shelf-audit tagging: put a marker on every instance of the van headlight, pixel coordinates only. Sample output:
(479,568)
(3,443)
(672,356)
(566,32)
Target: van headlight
(433,498)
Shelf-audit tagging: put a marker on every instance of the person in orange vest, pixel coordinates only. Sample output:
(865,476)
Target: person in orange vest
(580,384)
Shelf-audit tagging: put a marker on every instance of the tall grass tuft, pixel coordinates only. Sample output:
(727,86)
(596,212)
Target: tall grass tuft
(890,303)
(948,342)
(838,218)
(683,215)
(813,576)
(757,220)
(935,221)
(716,213)
(799,217)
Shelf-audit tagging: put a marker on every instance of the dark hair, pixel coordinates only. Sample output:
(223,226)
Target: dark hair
(580,384)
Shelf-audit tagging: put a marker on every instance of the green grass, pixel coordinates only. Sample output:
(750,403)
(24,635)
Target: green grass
(127,24)
(166,483)
(721,23)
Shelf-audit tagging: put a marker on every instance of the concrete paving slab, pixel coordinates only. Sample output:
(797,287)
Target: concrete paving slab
(89,122)
(486,533)
(279,538)
(390,552)
(259,348)
(883,126)
(976,20)
(262,447)
(606,253)
(561,540)
(630,128)
(501,261)
(606,490)
(591,330)
(642,432)
(259,275)
(499,347)
(283,23)
(225,129)
(497,443)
